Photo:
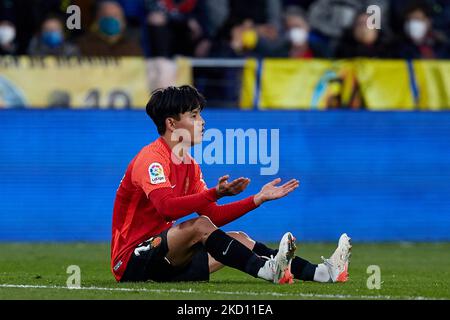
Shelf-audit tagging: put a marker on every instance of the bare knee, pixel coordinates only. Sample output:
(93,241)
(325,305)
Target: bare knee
(202,228)
(203,222)
(243,238)
(238,234)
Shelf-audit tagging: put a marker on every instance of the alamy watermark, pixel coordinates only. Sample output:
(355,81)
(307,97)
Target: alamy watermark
(74,280)
(374,280)
(374,19)
(236,146)
(74,20)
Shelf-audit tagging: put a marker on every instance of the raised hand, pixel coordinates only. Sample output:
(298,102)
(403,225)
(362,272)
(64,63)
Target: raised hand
(271,192)
(225,188)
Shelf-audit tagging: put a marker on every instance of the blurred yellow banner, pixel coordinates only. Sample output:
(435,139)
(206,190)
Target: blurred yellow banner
(433,82)
(385,84)
(248,88)
(86,82)
(345,84)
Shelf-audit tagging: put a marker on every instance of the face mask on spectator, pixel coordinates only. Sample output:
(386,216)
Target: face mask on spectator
(416,29)
(298,36)
(7,34)
(109,26)
(52,39)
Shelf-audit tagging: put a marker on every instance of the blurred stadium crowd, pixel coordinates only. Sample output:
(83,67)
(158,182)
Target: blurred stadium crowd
(227,28)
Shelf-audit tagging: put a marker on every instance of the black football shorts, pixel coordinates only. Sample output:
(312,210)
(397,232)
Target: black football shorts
(148,262)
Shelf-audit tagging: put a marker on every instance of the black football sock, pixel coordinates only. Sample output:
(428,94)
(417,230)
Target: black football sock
(300,268)
(262,250)
(232,253)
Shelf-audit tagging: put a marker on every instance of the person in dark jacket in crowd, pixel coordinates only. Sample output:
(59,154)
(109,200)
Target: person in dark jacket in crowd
(107,37)
(51,40)
(420,40)
(173,27)
(362,41)
(7,38)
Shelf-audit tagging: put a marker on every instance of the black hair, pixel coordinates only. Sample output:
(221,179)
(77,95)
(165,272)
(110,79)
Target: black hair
(99,3)
(171,102)
(52,16)
(421,5)
(295,10)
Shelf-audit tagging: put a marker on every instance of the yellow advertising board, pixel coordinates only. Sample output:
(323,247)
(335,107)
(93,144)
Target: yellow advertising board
(385,84)
(433,83)
(119,83)
(370,84)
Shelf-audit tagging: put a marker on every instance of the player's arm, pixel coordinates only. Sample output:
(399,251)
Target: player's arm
(152,174)
(173,208)
(223,214)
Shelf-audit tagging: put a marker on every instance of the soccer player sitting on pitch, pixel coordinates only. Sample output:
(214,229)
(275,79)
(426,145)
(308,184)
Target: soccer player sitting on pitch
(163,183)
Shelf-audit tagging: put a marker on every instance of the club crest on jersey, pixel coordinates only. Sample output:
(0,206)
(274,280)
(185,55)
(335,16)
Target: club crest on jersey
(156,242)
(156,172)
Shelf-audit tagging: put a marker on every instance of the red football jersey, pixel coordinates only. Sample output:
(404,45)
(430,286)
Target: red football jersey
(135,218)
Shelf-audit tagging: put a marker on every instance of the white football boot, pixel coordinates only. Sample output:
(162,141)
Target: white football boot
(278,269)
(337,264)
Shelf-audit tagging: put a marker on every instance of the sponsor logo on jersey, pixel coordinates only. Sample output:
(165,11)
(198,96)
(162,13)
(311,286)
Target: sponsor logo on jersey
(156,173)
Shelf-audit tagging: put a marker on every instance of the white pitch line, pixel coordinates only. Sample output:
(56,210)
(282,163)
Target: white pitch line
(245,293)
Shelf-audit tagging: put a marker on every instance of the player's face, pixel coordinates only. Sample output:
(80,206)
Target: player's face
(193,123)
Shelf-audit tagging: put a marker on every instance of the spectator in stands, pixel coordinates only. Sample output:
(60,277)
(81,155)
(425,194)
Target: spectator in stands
(330,19)
(361,41)
(301,43)
(265,15)
(438,10)
(7,38)
(250,30)
(107,35)
(296,41)
(420,40)
(27,16)
(239,39)
(173,27)
(51,40)
(212,14)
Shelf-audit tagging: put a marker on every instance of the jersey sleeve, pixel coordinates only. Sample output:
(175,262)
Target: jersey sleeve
(151,173)
(198,184)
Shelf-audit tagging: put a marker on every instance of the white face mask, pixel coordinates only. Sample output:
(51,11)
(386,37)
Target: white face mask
(416,29)
(298,36)
(7,34)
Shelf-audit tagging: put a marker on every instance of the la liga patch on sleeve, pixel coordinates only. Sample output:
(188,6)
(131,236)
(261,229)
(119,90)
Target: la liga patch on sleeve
(156,173)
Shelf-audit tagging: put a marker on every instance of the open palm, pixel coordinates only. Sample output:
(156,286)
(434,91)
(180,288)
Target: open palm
(271,191)
(225,188)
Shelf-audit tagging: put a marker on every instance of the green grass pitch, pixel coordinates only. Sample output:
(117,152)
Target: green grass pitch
(408,271)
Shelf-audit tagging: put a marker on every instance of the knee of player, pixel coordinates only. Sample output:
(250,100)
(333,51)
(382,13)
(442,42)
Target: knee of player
(243,234)
(203,224)
(240,235)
